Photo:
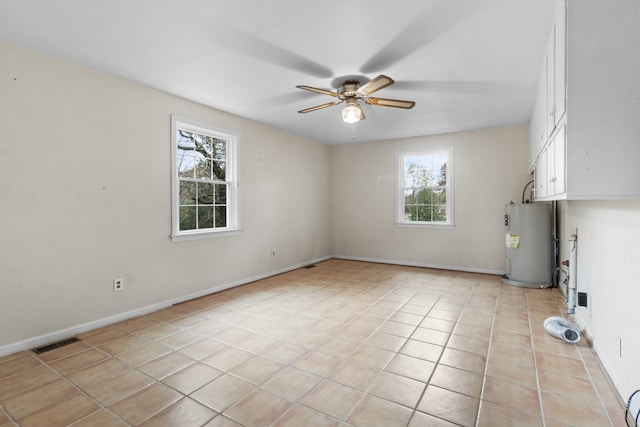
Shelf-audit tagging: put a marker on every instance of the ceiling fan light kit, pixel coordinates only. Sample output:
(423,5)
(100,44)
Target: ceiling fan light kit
(351,91)
(352,113)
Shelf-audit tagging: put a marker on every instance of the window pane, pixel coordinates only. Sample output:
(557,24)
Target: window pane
(409,196)
(440,213)
(187,217)
(205,145)
(220,149)
(203,167)
(410,213)
(185,140)
(221,216)
(440,196)
(424,213)
(187,193)
(221,194)
(205,217)
(185,163)
(219,170)
(205,193)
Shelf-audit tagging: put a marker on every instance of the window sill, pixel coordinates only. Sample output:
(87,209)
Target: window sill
(183,237)
(442,226)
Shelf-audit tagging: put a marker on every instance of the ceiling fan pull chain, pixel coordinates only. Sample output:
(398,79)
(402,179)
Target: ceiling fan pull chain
(353,131)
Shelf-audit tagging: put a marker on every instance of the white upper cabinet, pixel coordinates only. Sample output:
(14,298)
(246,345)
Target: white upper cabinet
(587,144)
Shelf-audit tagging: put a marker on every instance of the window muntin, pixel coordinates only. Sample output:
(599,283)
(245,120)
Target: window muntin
(425,188)
(205,199)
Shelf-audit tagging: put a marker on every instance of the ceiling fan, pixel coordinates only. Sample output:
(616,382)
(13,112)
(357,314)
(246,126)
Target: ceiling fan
(351,91)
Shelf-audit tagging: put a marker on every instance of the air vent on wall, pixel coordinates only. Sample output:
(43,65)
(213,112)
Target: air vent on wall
(55,345)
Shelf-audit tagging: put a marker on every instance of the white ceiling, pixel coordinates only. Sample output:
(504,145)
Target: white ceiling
(468,64)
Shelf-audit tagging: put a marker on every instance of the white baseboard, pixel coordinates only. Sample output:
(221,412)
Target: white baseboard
(606,365)
(422,264)
(120,317)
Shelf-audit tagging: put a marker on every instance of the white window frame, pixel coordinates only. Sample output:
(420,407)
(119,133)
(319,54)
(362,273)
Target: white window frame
(400,186)
(231,178)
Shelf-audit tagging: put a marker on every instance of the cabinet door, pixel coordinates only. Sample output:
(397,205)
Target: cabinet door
(559,165)
(550,85)
(560,64)
(540,177)
(538,125)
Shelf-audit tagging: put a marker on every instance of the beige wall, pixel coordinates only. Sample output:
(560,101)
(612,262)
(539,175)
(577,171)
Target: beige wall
(85,184)
(490,169)
(607,269)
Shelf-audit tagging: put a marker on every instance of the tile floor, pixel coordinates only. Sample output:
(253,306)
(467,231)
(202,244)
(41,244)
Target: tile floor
(342,344)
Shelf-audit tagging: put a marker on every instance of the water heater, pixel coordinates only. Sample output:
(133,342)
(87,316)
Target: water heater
(528,242)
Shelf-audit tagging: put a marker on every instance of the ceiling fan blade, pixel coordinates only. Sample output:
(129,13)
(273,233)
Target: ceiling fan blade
(319,107)
(315,89)
(375,85)
(397,103)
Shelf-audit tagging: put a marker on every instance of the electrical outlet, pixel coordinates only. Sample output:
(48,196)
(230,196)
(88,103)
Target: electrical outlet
(273,253)
(118,285)
(619,345)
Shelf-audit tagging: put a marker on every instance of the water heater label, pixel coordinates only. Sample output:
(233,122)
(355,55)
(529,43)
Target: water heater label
(512,240)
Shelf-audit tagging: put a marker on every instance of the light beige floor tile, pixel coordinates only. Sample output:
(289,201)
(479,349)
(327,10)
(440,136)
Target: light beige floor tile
(420,419)
(102,418)
(411,367)
(493,415)
(385,341)
(333,399)
(512,370)
(222,421)
(422,350)
(470,345)
(99,372)
(20,362)
(78,361)
(116,388)
(463,360)
(259,408)
(166,365)
(372,356)
(61,413)
(342,339)
(303,416)
(286,352)
(222,392)
(28,402)
(373,411)
(26,380)
(565,386)
(450,406)
(145,403)
(144,354)
(202,348)
(398,389)
(431,336)
(192,378)
(123,344)
(318,363)
(257,370)
(463,382)
(183,413)
(292,383)
(562,365)
(355,375)
(62,352)
(573,412)
(511,395)
(228,358)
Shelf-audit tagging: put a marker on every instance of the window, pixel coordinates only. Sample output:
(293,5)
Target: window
(425,191)
(204,178)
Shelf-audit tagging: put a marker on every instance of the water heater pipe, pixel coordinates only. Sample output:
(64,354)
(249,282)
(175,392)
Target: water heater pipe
(573,257)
